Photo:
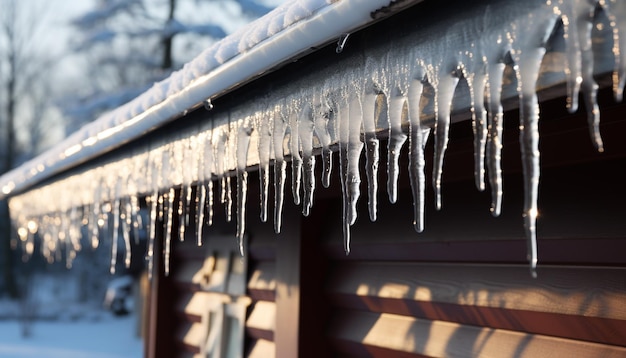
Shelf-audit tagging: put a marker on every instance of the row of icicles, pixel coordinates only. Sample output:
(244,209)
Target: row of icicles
(341,111)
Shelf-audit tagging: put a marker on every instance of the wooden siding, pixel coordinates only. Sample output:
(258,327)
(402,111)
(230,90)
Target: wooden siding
(261,322)
(463,288)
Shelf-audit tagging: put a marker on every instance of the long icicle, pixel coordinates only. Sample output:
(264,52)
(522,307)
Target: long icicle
(280,167)
(417,141)
(528,51)
(444,91)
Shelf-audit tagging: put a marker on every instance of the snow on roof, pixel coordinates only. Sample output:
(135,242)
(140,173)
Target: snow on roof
(284,34)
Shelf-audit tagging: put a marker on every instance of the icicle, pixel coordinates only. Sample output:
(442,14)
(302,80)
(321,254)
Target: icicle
(182,212)
(321,115)
(396,141)
(168,229)
(208,105)
(116,227)
(527,53)
(372,155)
(294,109)
(209,203)
(445,85)
(494,129)
(417,142)
(280,166)
(220,137)
(341,43)
(209,161)
(190,166)
(200,204)
(343,131)
(355,147)
(243,144)
(126,225)
(154,199)
(242,193)
(306,141)
(371,111)
(227,196)
(136,219)
(94,228)
(264,149)
(616,11)
(577,19)
(477,79)
(350,148)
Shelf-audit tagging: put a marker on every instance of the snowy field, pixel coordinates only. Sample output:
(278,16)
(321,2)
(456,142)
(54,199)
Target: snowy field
(99,336)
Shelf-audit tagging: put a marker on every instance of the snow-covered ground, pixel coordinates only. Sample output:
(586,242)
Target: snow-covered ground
(61,324)
(99,336)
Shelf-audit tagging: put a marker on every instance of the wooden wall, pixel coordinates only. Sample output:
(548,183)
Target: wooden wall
(462,288)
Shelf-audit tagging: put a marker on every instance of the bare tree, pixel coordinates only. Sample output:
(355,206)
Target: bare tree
(22,69)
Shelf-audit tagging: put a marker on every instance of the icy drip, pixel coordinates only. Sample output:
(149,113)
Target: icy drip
(494,129)
(617,16)
(394,94)
(280,166)
(293,112)
(321,117)
(220,136)
(417,141)
(116,225)
(207,168)
(243,143)
(350,148)
(264,149)
(186,190)
(577,18)
(200,204)
(372,150)
(527,53)
(135,218)
(305,133)
(126,230)
(477,80)
(169,222)
(445,83)
(94,228)
(153,202)
(209,203)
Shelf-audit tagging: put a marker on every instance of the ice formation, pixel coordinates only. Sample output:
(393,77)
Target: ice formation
(341,111)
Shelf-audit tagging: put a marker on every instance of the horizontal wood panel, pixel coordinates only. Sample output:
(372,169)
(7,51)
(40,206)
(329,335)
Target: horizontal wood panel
(344,348)
(262,348)
(593,329)
(592,292)
(191,336)
(196,305)
(591,251)
(261,322)
(445,339)
(262,281)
